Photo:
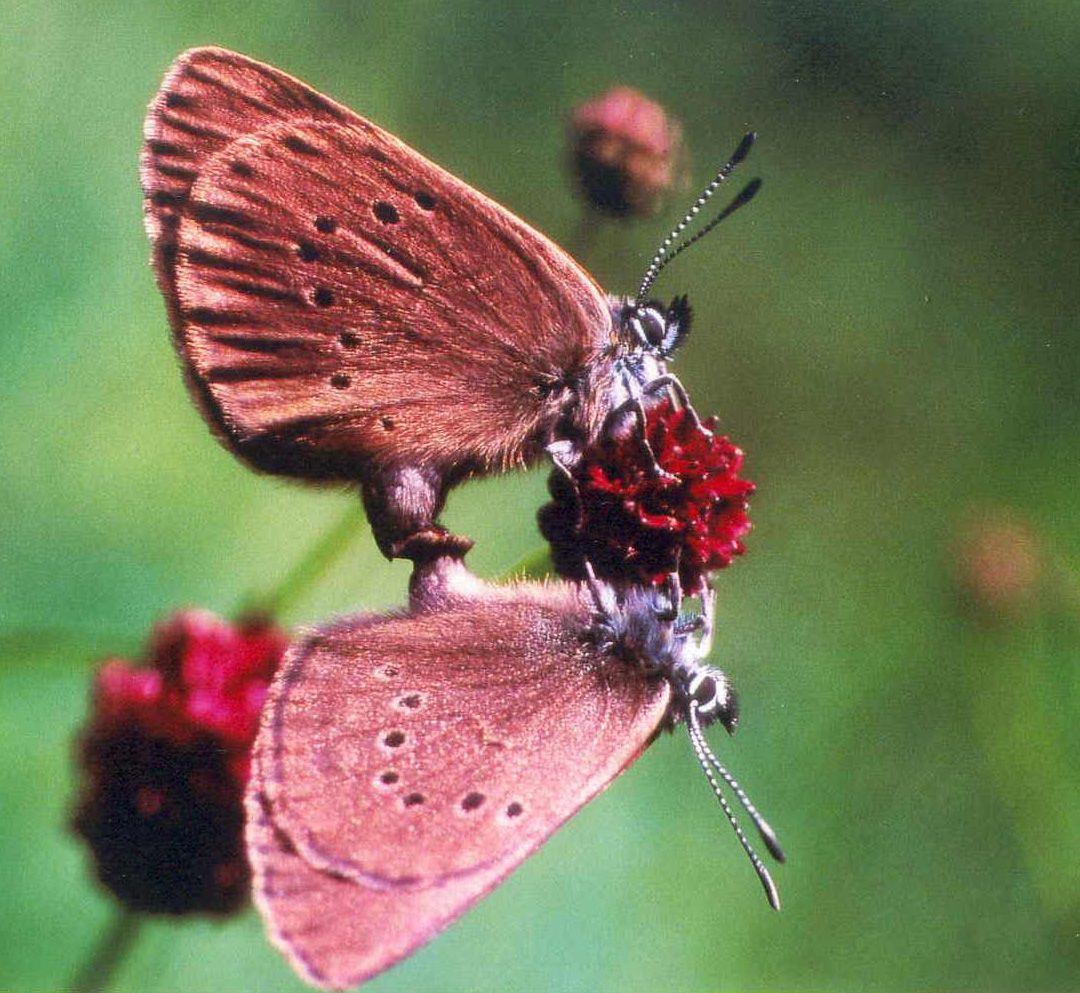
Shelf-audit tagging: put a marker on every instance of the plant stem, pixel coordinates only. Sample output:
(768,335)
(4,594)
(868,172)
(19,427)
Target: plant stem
(98,970)
(302,576)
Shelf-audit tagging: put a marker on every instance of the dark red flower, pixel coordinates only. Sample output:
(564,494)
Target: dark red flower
(625,152)
(166,756)
(635,524)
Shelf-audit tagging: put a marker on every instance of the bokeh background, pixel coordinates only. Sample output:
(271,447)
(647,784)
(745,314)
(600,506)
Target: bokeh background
(890,333)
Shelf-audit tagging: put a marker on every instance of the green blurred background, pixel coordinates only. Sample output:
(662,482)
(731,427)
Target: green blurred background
(889,331)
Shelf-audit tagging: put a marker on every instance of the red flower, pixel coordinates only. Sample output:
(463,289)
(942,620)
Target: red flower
(166,755)
(637,525)
(625,151)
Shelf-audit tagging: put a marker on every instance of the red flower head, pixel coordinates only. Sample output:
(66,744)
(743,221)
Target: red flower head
(625,152)
(166,756)
(637,525)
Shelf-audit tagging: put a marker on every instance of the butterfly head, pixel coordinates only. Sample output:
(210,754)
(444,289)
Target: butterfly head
(644,626)
(653,329)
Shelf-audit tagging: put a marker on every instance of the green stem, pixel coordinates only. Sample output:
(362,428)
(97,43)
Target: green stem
(97,972)
(302,576)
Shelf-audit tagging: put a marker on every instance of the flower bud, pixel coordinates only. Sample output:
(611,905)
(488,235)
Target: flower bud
(998,563)
(625,152)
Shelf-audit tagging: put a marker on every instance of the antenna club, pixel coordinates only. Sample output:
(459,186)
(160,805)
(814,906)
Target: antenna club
(743,150)
(769,837)
(771,893)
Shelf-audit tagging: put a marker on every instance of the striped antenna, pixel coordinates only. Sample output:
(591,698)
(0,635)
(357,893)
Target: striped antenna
(708,761)
(665,253)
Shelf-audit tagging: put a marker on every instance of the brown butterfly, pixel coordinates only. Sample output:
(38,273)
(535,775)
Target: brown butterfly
(408,762)
(348,311)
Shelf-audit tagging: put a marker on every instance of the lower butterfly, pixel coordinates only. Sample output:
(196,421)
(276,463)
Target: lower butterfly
(408,762)
(347,311)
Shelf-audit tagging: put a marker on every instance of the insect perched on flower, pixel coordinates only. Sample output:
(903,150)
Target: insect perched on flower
(347,311)
(408,762)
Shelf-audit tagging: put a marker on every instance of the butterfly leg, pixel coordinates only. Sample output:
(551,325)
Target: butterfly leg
(402,504)
(564,479)
(637,408)
(668,381)
(669,614)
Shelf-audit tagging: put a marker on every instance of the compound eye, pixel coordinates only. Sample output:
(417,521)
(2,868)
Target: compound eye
(649,325)
(654,325)
(715,698)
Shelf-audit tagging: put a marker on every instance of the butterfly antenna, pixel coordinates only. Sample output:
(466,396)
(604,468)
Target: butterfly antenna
(707,760)
(768,836)
(665,253)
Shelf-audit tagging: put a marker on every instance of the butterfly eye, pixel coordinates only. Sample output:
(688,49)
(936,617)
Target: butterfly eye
(648,326)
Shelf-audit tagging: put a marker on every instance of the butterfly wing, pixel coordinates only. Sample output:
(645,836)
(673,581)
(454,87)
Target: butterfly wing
(422,757)
(342,303)
(334,932)
(209,98)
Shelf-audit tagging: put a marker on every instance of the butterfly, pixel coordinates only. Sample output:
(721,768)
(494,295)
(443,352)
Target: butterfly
(347,311)
(408,762)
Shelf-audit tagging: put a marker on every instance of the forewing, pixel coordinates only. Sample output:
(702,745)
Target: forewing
(406,752)
(209,98)
(341,301)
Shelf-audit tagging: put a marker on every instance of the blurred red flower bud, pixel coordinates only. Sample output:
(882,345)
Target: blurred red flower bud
(625,152)
(165,756)
(637,525)
(998,562)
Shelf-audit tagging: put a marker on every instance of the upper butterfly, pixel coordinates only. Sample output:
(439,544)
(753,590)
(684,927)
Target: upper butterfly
(348,311)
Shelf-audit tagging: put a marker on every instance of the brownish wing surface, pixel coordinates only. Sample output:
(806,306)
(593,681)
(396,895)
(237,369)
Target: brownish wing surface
(343,304)
(469,730)
(411,762)
(334,932)
(209,98)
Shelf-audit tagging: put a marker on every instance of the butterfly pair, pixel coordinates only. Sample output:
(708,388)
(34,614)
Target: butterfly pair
(347,311)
